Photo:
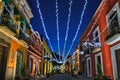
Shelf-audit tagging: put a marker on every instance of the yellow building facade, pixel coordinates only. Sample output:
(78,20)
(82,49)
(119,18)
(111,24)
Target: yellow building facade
(13,42)
(47,55)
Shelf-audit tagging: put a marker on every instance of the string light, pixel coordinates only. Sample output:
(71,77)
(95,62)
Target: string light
(57,24)
(79,25)
(68,23)
(43,25)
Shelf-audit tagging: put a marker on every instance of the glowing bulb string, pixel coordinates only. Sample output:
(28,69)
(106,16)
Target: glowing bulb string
(43,25)
(57,24)
(79,26)
(68,23)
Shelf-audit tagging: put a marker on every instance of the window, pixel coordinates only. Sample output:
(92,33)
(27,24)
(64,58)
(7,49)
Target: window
(113,20)
(96,39)
(37,44)
(32,39)
(96,35)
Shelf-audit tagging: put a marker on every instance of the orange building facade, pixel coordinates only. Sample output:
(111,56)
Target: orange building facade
(35,54)
(101,41)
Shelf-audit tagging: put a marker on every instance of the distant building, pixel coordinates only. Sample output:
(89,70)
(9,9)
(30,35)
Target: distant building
(101,41)
(46,58)
(68,65)
(76,59)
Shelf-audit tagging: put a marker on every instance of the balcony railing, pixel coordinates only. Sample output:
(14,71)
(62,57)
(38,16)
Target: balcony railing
(5,20)
(114,32)
(23,36)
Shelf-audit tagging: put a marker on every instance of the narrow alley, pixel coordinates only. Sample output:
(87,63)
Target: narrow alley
(59,40)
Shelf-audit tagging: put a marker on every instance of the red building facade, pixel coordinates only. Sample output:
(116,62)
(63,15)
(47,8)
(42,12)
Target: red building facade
(101,41)
(35,54)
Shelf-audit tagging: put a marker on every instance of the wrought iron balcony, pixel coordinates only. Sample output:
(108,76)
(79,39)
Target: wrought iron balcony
(23,36)
(8,22)
(114,33)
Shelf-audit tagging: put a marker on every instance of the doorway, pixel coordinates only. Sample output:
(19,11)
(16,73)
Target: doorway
(3,61)
(117,56)
(89,69)
(98,62)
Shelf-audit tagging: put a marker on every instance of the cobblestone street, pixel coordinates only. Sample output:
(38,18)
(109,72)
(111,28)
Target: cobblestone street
(61,77)
(66,77)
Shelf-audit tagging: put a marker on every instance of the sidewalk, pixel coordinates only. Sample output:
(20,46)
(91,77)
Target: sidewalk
(38,78)
(83,77)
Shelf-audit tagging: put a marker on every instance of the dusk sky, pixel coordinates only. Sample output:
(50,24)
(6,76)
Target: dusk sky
(48,10)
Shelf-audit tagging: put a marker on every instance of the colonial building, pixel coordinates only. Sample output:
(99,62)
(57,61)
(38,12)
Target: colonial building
(13,38)
(34,54)
(101,41)
(68,65)
(73,62)
(47,57)
(76,58)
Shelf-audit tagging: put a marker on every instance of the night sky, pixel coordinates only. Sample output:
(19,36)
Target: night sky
(48,9)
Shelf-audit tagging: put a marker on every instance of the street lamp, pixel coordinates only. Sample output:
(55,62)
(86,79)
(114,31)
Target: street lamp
(81,50)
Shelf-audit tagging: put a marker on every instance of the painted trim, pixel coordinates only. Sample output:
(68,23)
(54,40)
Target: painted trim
(96,50)
(87,55)
(112,49)
(14,38)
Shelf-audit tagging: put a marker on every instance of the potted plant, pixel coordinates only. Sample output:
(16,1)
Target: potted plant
(99,75)
(23,72)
